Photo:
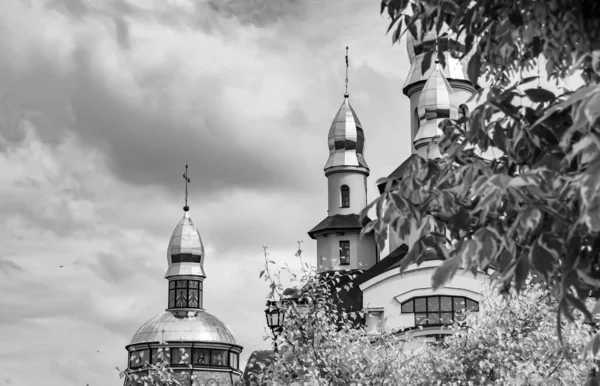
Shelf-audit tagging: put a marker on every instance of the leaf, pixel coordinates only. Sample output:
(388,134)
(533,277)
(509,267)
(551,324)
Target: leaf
(515,17)
(591,281)
(540,95)
(487,247)
(521,271)
(445,272)
(579,95)
(592,347)
(474,68)
(580,306)
(461,219)
(499,137)
(528,221)
(545,254)
(397,33)
(426,63)
(592,109)
(527,80)
(261,273)
(466,250)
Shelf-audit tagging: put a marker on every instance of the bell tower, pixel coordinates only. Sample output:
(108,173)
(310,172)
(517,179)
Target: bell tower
(438,93)
(339,245)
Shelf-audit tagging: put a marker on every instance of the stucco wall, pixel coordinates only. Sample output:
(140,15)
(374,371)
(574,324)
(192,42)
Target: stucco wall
(385,293)
(357,182)
(363,252)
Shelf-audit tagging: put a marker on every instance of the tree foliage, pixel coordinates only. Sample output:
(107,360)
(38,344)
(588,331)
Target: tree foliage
(511,341)
(535,207)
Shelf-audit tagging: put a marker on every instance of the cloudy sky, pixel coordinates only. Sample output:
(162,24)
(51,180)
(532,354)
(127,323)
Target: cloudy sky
(102,103)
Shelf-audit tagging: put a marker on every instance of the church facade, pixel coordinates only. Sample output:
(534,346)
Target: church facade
(390,298)
(201,350)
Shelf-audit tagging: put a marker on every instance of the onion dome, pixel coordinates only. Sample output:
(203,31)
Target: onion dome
(185,253)
(455,69)
(168,327)
(436,103)
(346,141)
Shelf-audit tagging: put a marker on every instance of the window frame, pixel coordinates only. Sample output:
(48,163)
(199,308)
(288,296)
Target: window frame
(410,306)
(344,196)
(344,260)
(174,288)
(141,363)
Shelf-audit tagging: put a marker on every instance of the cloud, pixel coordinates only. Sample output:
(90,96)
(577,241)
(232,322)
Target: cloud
(259,12)
(101,106)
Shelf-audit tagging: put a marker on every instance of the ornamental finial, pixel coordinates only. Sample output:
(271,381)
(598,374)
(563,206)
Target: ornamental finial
(187,180)
(346,95)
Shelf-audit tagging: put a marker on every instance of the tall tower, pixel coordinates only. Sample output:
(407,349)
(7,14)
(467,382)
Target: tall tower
(339,245)
(200,348)
(437,94)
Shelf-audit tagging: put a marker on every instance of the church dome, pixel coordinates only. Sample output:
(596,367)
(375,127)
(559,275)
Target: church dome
(185,252)
(346,139)
(455,69)
(436,103)
(203,327)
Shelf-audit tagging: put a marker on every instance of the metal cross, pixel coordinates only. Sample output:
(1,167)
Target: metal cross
(346,94)
(187,180)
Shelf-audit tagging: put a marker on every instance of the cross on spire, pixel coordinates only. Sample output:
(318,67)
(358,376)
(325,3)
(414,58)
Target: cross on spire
(187,180)
(346,93)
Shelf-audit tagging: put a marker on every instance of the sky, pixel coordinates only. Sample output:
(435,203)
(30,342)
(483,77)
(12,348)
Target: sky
(103,103)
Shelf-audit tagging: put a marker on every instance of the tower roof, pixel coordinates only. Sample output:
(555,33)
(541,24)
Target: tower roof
(203,327)
(346,139)
(436,103)
(185,252)
(454,69)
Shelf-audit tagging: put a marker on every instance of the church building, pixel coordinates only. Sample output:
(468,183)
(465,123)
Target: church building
(201,350)
(394,299)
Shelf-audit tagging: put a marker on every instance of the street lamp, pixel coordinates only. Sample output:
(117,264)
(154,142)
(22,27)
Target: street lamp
(275,318)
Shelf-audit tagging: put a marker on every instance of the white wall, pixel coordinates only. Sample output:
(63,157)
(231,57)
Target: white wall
(363,251)
(385,293)
(357,182)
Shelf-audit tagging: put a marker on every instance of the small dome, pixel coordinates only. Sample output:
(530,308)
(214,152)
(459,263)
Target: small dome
(436,103)
(203,327)
(454,69)
(185,253)
(346,139)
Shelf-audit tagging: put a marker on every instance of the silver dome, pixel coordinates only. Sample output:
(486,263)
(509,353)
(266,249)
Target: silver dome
(454,69)
(436,104)
(346,139)
(203,327)
(185,253)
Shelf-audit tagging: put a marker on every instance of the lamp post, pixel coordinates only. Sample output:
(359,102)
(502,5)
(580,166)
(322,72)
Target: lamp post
(275,318)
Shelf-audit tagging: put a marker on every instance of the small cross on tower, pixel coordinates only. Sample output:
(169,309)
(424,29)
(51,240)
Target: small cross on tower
(187,180)
(346,95)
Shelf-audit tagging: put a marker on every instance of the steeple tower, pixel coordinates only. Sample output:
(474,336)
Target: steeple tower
(185,255)
(197,345)
(449,85)
(436,103)
(339,245)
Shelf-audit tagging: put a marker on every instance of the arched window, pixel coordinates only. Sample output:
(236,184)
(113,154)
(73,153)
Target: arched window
(345,191)
(438,310)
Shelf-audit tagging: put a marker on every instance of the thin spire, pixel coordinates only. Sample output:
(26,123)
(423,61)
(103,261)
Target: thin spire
(346,95)
(187,180)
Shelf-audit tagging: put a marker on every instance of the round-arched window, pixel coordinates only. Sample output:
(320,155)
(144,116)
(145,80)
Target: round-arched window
(439,310)
(345,193)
